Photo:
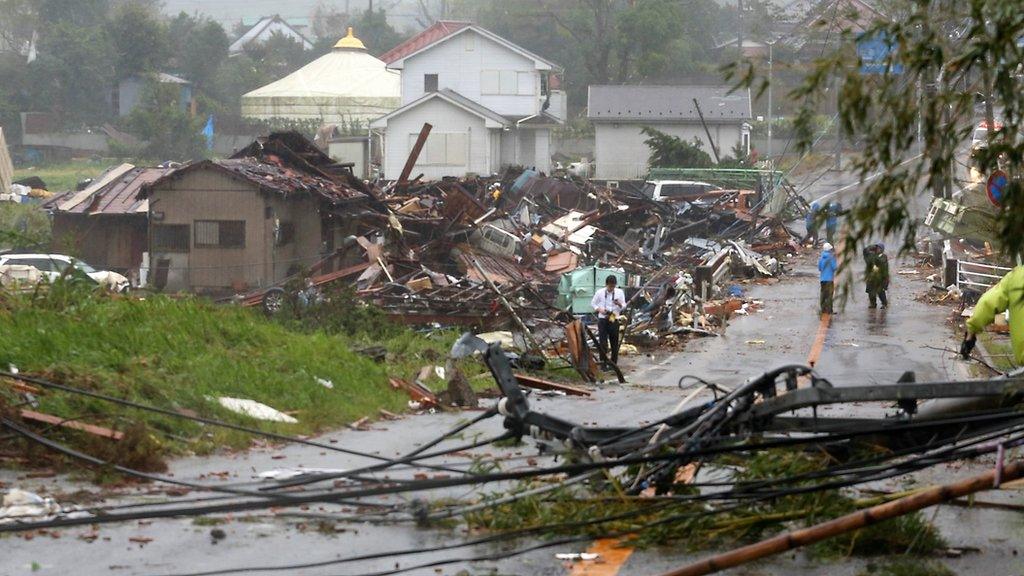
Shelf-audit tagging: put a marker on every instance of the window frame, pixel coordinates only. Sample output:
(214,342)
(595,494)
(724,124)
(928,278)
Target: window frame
(168,248)
(240,244)
(427,80)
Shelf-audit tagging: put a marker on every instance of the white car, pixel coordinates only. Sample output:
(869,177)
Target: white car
(53,266)
(677,190)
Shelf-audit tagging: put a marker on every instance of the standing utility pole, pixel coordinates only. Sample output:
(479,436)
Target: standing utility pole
(768,155)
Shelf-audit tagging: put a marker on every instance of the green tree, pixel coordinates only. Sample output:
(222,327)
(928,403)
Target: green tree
(203,53)
(279,56)
(81,13)
(955,51)
(669,151)
(375,31)
(170,132)
(139,38)
(73,74)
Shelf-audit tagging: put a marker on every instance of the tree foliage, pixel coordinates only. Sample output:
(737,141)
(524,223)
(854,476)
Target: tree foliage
(944,54)
(139,39)
(609,41)
(669,151)
(171,132)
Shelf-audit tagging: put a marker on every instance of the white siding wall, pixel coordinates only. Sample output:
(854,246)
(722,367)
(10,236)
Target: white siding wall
(620,152)
(445,119)
(459,64)
(542,150)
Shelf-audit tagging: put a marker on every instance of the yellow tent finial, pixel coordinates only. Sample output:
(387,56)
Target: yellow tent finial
(350,41)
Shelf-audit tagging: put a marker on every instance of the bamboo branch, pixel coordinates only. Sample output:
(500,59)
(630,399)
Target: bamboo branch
(850,522)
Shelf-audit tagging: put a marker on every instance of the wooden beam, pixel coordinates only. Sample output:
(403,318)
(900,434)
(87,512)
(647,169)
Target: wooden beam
(72,424)
(541,384)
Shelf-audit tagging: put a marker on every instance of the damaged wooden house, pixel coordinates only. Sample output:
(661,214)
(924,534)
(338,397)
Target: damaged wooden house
(271,211)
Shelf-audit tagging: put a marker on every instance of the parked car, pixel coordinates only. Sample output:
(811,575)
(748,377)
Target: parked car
(53,266)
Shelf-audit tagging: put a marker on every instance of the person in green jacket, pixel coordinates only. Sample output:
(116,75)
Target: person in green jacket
(1008,294)
(876,274)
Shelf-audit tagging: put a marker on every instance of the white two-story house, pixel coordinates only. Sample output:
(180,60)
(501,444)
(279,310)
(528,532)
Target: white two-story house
(490,102)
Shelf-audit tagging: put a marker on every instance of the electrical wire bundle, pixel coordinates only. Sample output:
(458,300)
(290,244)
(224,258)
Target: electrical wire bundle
(644,456)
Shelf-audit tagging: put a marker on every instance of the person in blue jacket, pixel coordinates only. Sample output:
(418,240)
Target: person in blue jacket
(827,265)
(812,223)
(832,220)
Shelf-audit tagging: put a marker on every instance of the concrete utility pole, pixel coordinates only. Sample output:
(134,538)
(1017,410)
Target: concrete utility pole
(739,26)
(768,154)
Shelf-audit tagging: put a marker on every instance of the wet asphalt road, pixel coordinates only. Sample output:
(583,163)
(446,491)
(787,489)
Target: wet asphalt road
(862,347)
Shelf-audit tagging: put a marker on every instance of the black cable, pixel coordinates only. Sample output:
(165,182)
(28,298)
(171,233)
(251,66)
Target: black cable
(423,485)
(72,453)
(209,421)
(490,539)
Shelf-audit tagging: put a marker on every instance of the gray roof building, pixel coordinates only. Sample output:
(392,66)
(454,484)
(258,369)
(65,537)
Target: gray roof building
(667,104)
(621,114)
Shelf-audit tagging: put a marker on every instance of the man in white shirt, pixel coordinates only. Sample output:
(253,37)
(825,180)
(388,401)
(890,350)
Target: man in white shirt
(608,303)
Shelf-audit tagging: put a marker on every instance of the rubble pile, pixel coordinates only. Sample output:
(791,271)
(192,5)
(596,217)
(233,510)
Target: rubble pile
(528,251)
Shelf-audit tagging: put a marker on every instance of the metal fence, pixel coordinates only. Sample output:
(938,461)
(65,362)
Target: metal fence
(978,277)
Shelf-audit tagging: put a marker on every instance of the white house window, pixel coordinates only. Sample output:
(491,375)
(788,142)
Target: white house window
(443,149)
(430,82)
(503,82)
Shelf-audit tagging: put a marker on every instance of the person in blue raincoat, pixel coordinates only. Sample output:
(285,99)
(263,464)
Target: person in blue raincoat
(812,222)
(827,265)
(835,209)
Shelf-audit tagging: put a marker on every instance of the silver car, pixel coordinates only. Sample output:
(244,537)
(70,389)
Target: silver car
(53,266)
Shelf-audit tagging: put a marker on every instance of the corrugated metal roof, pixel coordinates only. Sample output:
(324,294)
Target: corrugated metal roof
(119,196)
(667,103)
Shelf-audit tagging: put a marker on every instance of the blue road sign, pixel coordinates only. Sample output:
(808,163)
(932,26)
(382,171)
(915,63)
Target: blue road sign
(874,51)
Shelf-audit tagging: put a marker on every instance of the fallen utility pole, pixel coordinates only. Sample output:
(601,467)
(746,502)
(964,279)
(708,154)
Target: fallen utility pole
(853,521)
(414,155)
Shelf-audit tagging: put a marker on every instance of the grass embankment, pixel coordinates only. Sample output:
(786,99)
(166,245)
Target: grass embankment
(182,354)
(64,176)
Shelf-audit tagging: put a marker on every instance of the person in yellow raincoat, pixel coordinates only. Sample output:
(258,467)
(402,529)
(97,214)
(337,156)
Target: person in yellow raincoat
(1008,294)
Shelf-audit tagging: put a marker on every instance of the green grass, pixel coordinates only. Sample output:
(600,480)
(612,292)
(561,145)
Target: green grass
(64,176)
(23,226)
(179,353)
(999,350)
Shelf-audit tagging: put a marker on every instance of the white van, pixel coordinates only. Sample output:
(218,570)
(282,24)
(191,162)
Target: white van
(677,190)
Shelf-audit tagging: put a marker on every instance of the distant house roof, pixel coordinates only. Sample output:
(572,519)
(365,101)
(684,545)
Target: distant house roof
(269,24)
(116,192)
(443,30)
(439,30)
(667,104)
(830,18)
(493,119)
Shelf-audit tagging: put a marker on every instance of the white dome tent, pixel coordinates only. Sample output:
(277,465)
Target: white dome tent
(344,86)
